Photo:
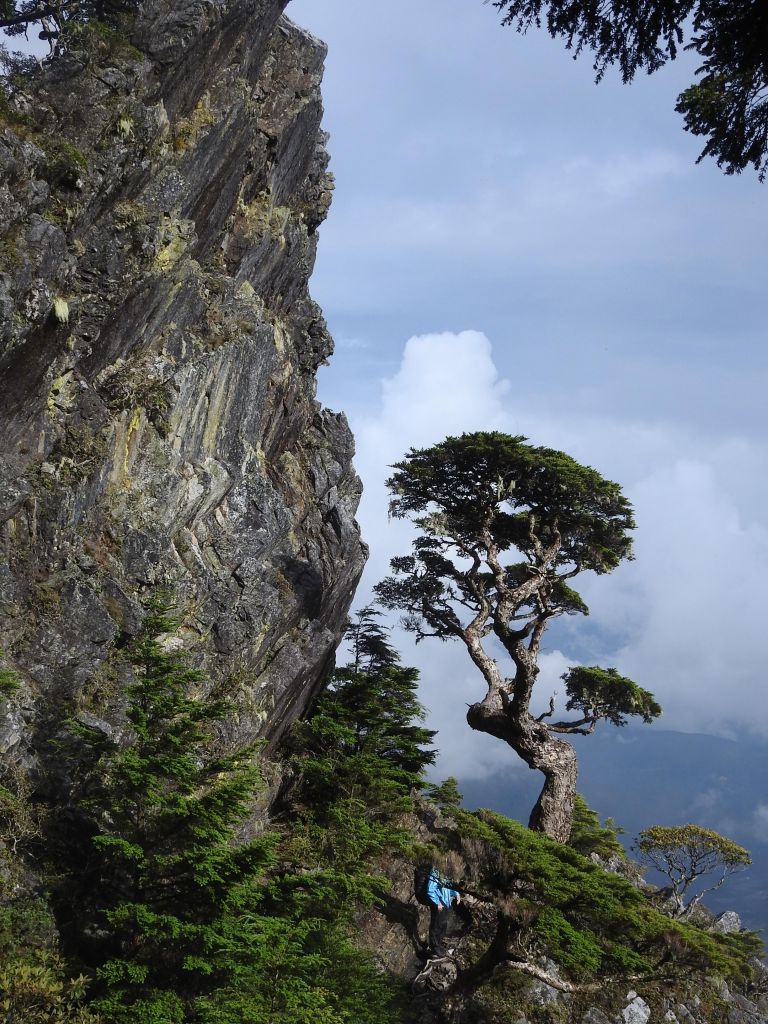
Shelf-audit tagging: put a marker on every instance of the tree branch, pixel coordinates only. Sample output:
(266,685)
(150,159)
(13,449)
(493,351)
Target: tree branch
(38,13)
(574,728)
(550,711)
(560,984)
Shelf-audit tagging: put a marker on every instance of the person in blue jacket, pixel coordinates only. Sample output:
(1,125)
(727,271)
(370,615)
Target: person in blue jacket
(441,898)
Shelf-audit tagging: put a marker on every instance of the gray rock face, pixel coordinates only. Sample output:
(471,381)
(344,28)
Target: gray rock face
(727,923)
(595,1016)
(158,347)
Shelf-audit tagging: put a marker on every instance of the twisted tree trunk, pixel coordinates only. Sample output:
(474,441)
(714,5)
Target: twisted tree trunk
(553,813)
(532,741)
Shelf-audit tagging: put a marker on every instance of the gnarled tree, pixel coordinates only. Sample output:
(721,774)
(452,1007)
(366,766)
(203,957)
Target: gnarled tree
(504,527)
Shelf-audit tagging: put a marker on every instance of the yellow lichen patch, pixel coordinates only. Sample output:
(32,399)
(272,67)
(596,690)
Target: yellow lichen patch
(61,310)
(282,374)
(295,484)
(129,212)
(253,453)
(125,127)
(261,216)
(217,406)
(62,393)
(133,427)
(127,434)
(188,129)
(170,254)
(246,290)
(279,335)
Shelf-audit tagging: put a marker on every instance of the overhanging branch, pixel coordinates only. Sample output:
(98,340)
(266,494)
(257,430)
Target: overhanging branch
(572,728)
(38,13)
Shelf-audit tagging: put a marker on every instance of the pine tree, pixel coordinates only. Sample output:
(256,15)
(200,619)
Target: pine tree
(588,835)
(365,731)
(359,761)
(159,870)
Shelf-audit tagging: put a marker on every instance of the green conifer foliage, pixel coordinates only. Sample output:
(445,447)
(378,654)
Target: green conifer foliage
(177,918)
(364,739)
(589,836)
(590,921)
(160,870)
(359,760)
(446,795)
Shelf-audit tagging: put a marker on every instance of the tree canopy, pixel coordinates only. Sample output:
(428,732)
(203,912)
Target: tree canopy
(504,526)
(727,104)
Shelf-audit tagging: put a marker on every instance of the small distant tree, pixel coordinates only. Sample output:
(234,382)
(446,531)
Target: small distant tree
(687,854)
(503,528)
(446,794)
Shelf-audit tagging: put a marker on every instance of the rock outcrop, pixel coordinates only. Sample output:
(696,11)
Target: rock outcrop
(159,203)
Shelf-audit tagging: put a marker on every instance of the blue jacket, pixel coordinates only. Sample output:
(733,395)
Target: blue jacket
(439,892)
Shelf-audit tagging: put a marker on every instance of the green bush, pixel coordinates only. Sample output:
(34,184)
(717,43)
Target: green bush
(9,681)
(36,986)
(38,990)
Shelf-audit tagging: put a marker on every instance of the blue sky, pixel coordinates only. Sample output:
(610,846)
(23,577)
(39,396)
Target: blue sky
(512,247)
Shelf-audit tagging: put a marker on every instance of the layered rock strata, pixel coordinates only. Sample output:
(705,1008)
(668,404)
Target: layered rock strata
(160,198)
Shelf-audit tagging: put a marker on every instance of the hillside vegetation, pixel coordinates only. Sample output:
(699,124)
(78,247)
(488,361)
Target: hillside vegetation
(155,893)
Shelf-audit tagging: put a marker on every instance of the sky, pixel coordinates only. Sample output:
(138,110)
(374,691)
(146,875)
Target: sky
(513,247)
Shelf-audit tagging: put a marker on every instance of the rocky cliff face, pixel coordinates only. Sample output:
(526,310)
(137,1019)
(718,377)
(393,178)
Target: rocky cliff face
(160,199)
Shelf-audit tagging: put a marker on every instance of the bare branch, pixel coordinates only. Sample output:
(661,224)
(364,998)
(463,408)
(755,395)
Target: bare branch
(575,728)
(559,983)
(550,711)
